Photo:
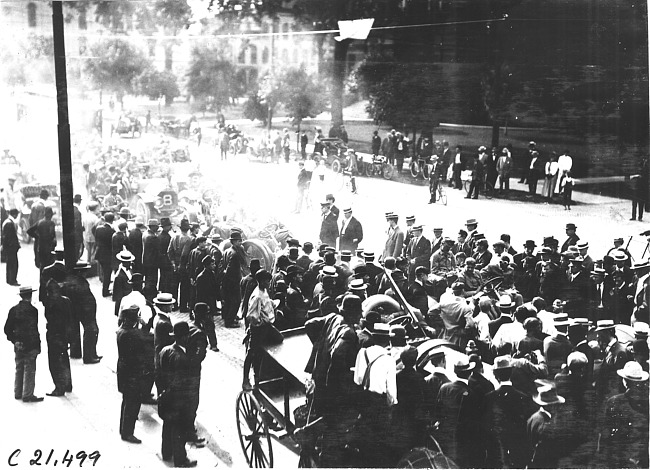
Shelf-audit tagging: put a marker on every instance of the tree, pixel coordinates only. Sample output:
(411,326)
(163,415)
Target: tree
(116,66)
(154,84)
(301,95)
(396,91)
(256,108)
(210,78)
(323,15)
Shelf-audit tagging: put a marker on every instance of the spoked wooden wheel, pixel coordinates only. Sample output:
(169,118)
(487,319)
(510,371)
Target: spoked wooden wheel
(253,431)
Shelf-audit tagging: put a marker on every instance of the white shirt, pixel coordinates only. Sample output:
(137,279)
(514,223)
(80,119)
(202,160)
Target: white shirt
(136,298)
(382,373)
(344,224)
(260,308)
(310,165)
(547,319)
(565,162)
(509,333)
(552,168)
(457,159)
(481,322)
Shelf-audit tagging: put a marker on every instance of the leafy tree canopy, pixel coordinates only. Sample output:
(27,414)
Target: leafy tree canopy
(210,77)
(154,84)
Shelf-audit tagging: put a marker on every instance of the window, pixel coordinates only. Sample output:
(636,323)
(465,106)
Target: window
(241,59)
(31,15)
(285,28)
(83,22)
(265,55)
(253,49)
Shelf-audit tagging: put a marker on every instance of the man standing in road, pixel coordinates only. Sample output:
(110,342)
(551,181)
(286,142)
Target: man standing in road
(395,241)
(329,230)
(150,258)
(434,178)
(45,238)
(175,404)
(351,232)
(58,313)
(21,329)
(303,185)
(10,246)
(103,237)
(233,260)
(178,253)
(375,144)
(78,227)
(90,219)
(458,167)
(166,267)
(135,242)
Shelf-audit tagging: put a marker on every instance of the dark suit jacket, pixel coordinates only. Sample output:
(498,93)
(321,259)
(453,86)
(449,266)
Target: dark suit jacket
(419,253)
(150,250)
(119,240)
(329,230)
(352,231)
(104,239)
(131,360)
(207,288)
(176,379)
(416,295)
(576,295)
(135,244)
(10,240)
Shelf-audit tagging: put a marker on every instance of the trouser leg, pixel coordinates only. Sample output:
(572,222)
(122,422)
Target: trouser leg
(210,332)
(57,357)
(20,374)
(91,332)
(184,291)
(635,203)
(178,435)
(12,267)
(29,374)
(166,281)
(106,281)
(166,448)
(130,409)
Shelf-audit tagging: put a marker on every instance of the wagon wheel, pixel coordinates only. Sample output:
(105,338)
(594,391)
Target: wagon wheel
(336,165)
(253,431)
(268,231)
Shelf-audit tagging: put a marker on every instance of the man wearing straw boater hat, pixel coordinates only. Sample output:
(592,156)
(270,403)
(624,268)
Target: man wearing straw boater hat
(21,329)
(625,434)
(121,286)
(614,358)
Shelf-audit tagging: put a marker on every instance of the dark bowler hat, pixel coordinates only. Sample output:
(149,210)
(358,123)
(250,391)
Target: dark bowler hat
(550,241)
(25,290)
(530,244)
(293,242)
(185,225)
(351,304)
(77,198)
(571,226)
(124,211)
(181,329)
(165,222)
(201,308)
(235,236)
(255,264)
(293,270)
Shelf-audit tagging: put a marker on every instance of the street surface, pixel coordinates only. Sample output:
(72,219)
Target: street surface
(87,419)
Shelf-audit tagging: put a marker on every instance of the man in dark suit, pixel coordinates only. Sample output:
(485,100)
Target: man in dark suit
(418,251)
(78,227)
(435,174)
(410,222)
(576,291)
(329,230)
(119,242)
(504,422)
(175,403)
(416,295)
(151,258)
(104,256)
(165,264)
(130,371)
(333,209)
(207,290)
(121,284)
(572,237)
(615,357)
(234,258)
(135,243)
(10,246)
(351,232)
(458,409)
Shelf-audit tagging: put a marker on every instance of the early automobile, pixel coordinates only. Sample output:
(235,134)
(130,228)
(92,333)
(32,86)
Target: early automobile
(127,124)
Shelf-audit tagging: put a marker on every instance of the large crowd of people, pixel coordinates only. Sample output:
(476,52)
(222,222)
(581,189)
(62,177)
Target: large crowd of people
(562,389)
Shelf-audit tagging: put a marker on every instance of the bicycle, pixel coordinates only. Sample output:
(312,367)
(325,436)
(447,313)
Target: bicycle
(379,166)
(345,179)
(419,167)
(442,195)
(487,189)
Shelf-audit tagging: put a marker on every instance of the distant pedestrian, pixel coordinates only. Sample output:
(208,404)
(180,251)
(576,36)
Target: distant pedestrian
(534,172)
(224,144)
(478,175)
(303,144)
(286,144)
(78,227)
(11,245)
(567,191)
(375,144)
(550,176)
(641,194)
(21,329)
(458,167)
(303,186)
(147,121)
(565,165)
(504,167)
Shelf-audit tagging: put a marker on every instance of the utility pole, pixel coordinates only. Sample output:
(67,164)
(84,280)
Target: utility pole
(65,157)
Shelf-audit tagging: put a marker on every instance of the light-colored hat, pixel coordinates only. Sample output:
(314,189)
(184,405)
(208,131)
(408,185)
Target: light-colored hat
(471,222)
(26,290)
(358,284)
(125,256)
(153,223)
(164,299)
(582,245)
(633,371)
(547,395)
(505,301)
(502,362)
(603,325)
(576,358)
(619,255)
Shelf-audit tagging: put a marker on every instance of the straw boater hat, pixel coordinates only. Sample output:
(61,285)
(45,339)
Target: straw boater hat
(603,325)
(125,256)
(153,223)
(164,299)
(26,290)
